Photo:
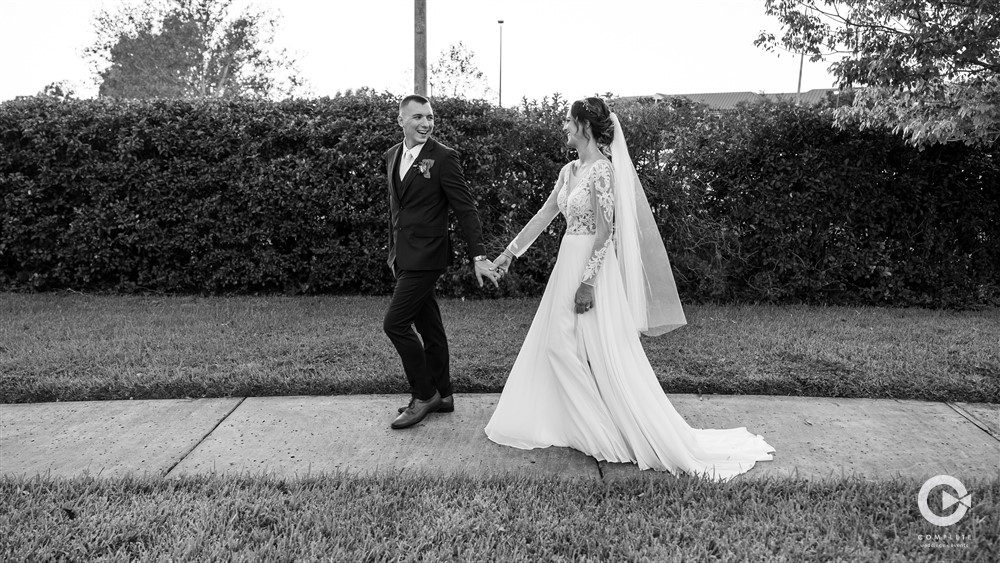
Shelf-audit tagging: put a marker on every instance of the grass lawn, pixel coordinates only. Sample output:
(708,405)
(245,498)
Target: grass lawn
(92,347)
(334,518)
(84,347)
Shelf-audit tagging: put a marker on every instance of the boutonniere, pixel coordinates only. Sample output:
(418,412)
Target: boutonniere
(425,167)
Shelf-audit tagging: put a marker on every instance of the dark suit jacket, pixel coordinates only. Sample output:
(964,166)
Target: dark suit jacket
(418,209)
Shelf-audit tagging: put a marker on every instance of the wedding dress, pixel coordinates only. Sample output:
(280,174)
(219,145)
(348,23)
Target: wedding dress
(583,380)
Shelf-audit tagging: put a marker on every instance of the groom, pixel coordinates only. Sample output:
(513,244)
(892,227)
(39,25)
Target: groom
(425,178)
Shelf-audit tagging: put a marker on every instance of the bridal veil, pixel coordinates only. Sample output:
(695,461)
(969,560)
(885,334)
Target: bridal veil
(649,283)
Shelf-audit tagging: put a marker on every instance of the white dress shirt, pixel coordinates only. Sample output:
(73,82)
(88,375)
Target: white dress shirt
(408,157)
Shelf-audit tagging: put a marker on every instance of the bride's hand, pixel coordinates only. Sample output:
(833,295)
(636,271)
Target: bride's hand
(584,298)
(502,263)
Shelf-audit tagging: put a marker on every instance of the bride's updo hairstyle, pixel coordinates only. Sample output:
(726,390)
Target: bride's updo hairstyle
(597,113)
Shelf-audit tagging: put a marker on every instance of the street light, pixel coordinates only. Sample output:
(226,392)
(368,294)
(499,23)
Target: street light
(500,96)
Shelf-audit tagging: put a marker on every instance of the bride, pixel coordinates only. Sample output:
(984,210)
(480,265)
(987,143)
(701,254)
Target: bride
(582,379)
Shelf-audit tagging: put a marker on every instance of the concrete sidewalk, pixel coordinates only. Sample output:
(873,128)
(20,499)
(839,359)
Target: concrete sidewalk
(302,436)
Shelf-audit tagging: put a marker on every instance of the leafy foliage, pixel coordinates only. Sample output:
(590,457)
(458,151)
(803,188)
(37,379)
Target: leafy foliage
(456,75)
(829,215)
(61,90)
(770,202)
(228,196)
(930,68)
(189,48)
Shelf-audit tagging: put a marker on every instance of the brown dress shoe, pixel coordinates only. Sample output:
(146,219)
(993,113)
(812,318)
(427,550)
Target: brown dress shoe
(447,404)
(416,412)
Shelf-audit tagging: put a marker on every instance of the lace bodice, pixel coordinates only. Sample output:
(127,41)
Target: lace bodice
(585,196)
(575,199)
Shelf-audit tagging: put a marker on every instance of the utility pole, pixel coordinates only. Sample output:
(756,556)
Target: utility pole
(500,94)
(802,60)
(420,47)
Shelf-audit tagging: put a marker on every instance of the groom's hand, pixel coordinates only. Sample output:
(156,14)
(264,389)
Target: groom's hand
(484,269)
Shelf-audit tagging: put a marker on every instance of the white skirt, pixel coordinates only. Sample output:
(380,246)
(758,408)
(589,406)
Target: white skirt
(584,382)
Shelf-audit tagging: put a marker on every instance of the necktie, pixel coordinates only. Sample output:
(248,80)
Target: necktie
(404,166)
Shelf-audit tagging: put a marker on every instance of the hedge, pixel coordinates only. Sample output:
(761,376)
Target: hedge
(769,202)
(818,214)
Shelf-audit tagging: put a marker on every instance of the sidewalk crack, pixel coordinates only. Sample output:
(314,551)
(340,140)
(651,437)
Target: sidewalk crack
(203,438)
(972,418)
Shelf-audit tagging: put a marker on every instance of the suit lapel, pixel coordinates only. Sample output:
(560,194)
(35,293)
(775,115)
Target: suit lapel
(393,178)
(391,165)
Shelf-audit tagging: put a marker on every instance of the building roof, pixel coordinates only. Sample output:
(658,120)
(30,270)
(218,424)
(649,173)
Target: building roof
(719,100)
(809,98)
(729,100)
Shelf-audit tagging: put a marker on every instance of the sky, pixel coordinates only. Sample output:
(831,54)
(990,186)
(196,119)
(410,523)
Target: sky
(572,47)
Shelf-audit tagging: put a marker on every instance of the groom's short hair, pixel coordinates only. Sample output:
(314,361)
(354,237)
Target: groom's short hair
(412,98)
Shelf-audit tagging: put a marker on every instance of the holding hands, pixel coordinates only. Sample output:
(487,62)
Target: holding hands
(492,270)
(495,269)
(503,262)
(486,269)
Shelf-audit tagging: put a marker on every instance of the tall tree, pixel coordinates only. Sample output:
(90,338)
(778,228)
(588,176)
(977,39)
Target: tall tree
(456,75)
(188,49)
(928,69)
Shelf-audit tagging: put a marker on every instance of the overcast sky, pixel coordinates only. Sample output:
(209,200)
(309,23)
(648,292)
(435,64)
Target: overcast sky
(573,47)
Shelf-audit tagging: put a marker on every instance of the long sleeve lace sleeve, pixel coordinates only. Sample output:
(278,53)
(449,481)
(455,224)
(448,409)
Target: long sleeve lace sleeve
(539,222)
(602,197)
